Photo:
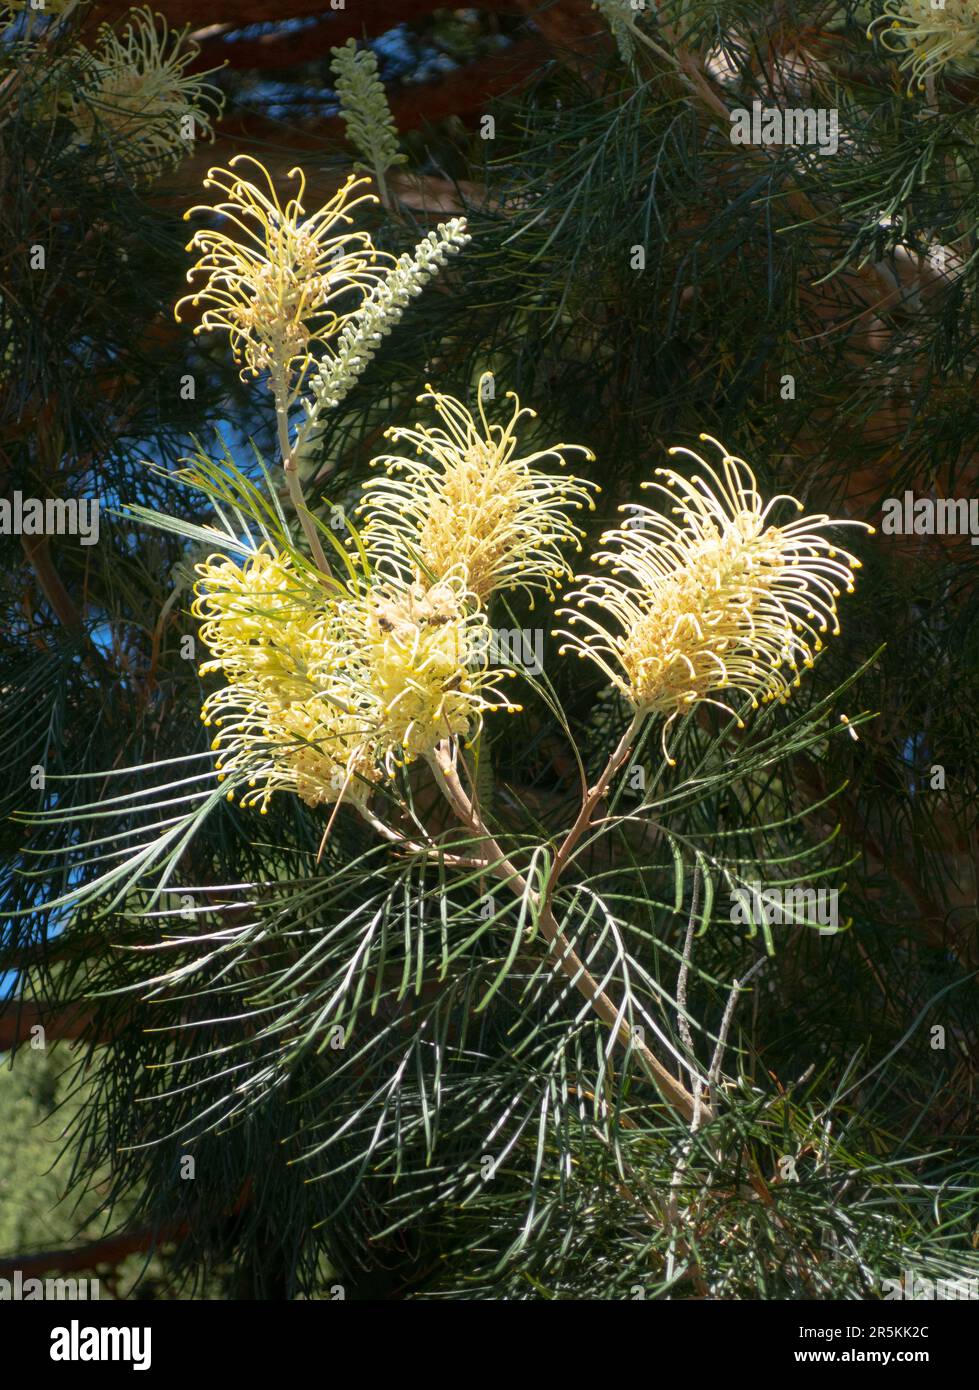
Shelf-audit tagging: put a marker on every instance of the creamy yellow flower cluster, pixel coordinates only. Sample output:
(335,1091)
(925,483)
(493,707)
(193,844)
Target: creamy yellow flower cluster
(273,281)
(721,600)
(330,690)
(282,283)
(333,684)
(320,677)
(469,499)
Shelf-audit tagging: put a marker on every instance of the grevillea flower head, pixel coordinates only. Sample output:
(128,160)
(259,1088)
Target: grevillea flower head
(286,719)
(929,37)
(722,600)
(423,664)
(262,621)
(136,89)
(469,500)
(314,747)
(328,687)
(277,287)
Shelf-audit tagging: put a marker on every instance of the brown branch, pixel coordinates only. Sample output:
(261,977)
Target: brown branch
(38,552)
(61,1023)
(110,1250)
(358,16)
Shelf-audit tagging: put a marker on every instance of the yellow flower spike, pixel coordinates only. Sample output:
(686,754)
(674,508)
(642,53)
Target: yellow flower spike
(474,502)
(712,602)
(327,693)
(290,721)
(275,285)
(256,620)
(929,37)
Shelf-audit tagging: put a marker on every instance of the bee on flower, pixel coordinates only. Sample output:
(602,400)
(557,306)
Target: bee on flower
(723,600)
(136,91)
(471,500)
(424,664)
(284,281)
(928,37)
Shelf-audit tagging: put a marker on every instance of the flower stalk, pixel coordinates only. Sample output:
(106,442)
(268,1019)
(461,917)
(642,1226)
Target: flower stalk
(290,470)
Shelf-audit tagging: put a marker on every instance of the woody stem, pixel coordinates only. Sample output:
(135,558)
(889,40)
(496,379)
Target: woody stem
(568,961)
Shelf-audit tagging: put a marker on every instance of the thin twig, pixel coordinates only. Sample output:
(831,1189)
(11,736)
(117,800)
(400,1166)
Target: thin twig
(683,1022)
(714,1071)
(591,799)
